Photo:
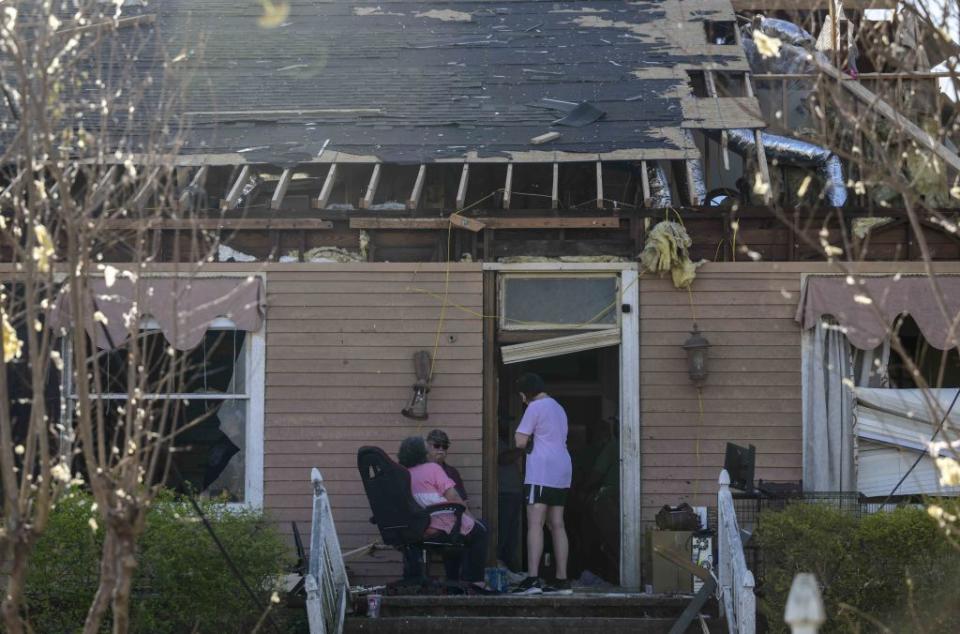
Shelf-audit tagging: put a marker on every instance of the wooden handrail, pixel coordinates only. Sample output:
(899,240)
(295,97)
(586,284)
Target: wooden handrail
(736,580)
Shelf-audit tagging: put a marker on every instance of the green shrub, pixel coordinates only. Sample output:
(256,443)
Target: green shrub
(892,568)
(183,583)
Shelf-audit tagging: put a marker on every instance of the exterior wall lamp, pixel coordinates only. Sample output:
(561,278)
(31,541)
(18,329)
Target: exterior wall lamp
(697,348)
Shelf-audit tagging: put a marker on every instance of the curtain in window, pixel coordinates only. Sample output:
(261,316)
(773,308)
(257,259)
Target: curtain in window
(831,370)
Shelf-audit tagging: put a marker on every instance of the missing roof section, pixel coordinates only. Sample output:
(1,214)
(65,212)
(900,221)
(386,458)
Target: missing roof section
(720,32)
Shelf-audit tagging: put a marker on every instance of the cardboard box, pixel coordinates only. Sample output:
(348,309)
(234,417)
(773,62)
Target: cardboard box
(664,575)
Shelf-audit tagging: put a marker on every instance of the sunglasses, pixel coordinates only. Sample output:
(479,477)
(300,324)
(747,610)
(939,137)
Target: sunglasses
(438,445)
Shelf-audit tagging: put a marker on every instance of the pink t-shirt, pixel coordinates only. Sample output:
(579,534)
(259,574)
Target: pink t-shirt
(549,463)
(428,483)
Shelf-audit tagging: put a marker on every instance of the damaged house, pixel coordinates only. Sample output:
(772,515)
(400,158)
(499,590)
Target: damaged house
(568,188)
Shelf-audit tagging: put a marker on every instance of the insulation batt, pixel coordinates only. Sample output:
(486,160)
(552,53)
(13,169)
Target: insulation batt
(667,249)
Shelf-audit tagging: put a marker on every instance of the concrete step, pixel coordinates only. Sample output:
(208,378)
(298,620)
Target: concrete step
(517,625)
(619,605)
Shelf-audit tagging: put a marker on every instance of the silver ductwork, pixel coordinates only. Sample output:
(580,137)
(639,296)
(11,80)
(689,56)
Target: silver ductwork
(797,152)
(786,32)
(659,187)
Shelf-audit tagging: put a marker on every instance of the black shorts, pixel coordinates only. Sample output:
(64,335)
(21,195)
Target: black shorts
(536,494)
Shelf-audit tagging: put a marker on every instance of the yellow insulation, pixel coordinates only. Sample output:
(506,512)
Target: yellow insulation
(667,249)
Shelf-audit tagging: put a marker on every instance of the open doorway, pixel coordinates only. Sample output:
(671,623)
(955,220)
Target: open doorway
(587,385)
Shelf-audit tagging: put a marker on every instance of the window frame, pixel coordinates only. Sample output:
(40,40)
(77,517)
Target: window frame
(253,396)
(504,323)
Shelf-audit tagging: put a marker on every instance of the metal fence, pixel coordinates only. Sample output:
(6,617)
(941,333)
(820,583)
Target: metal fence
(749,509)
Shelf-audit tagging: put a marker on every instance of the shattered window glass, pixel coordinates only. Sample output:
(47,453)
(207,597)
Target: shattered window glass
(200,395)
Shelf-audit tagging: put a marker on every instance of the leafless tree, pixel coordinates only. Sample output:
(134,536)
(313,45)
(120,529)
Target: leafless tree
(897,141)
(89,131)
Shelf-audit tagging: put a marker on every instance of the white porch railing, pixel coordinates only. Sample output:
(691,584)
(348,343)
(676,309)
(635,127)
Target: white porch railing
(326,581)
(736,581)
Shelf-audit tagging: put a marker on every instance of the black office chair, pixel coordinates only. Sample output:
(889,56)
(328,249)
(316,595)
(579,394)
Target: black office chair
(297,596)
(401,521)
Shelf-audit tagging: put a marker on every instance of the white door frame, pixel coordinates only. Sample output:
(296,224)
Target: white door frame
(630,482)
(630,507)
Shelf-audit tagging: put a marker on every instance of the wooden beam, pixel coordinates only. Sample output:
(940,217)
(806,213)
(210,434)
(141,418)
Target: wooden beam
(462,189)
(544,138)
(103,187)
(555,191)
(691,189)
(545,222)
(491,400)
(367,201)
(16,181)
(599,185)
(327,189)
(281,190)
(710,82)
(198,181)
(236,189)
(414,200)
(508,186)
(644,184)
(213,224)
(872,101)
(468,223)
(140,198)
(764,168)
(69,175)
(758,138)
(724,151)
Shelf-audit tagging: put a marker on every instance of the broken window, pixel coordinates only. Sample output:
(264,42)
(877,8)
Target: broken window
(548,302)
(927,359)
(200,395)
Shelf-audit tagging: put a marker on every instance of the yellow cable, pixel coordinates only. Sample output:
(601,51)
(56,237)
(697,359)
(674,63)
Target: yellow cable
(693,312)
(716,256)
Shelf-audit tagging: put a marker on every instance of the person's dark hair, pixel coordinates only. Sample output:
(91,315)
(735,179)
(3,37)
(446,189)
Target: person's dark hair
(413,452)
(530,384)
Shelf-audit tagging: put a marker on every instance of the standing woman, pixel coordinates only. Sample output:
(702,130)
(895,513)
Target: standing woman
(547,481)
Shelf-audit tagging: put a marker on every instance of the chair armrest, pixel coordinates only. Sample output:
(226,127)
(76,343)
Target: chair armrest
(458,510)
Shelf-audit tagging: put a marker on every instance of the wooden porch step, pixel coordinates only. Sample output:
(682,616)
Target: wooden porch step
(517,625)
(578,605)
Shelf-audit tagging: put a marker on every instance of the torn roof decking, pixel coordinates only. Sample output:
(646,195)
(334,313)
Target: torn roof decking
(412,82)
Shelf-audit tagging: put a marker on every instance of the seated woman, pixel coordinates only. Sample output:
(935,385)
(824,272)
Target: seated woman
(430,485)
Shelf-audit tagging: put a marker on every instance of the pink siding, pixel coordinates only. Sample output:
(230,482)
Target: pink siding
(339,344)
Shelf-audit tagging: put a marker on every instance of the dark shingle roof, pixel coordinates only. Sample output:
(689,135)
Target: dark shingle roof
(420,81)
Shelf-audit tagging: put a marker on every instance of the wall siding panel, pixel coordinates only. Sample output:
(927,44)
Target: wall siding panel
(752,395)
(340,342)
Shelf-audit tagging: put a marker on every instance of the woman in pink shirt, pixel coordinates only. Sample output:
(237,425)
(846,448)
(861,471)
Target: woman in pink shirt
(431,485)
(549,471)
